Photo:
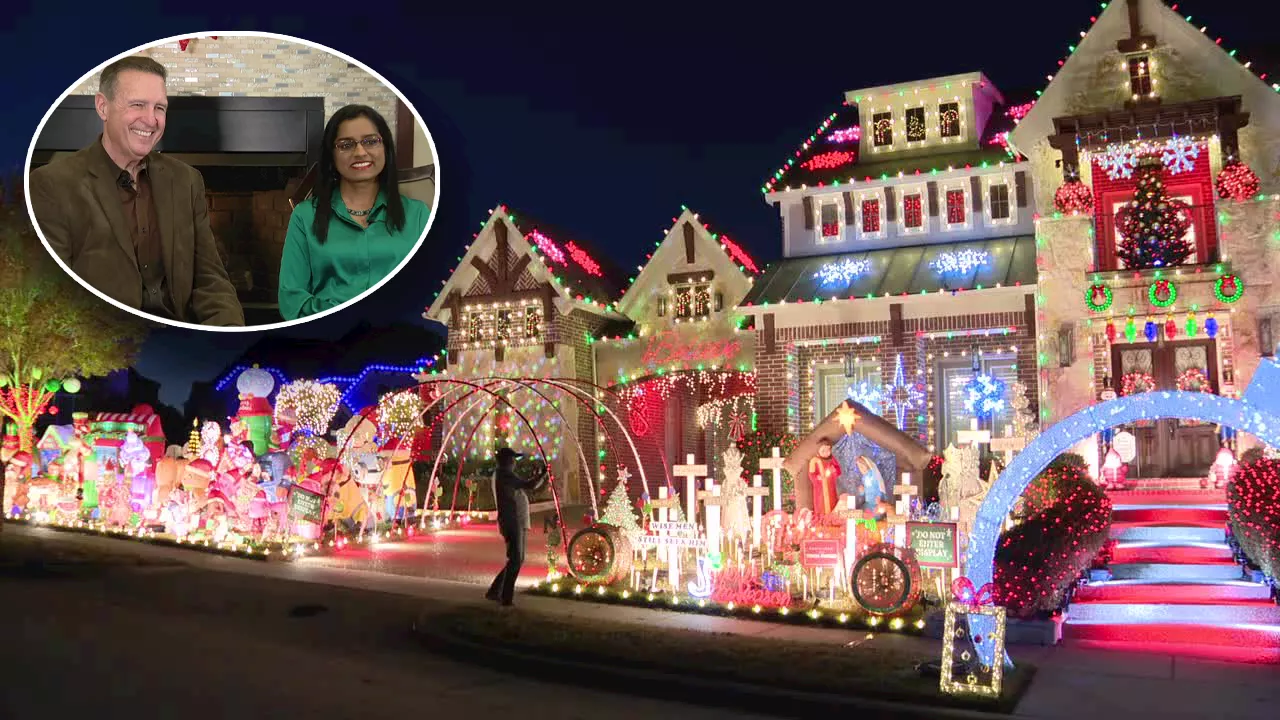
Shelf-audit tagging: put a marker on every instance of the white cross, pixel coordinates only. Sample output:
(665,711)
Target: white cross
(774,463)
(713,501)
(756,492)
(670,555)
(973,435)
(690,472)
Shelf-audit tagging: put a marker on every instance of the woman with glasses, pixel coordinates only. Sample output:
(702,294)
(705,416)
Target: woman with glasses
(356,227)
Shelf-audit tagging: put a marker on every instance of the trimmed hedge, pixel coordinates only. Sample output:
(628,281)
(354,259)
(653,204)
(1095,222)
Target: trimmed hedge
(1067,525)
(1253,511)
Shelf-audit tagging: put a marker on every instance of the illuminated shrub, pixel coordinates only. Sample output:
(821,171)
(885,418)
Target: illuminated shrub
(1067,525)
(1253,509)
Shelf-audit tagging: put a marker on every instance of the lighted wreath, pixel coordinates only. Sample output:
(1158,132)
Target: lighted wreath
(1237,181)
(1228,288)
(1162,293)
(1137,382)
(1073,198)
(1098,297)
(1193,379)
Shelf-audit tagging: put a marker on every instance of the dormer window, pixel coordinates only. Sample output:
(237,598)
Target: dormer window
(871,216)
(1140,84)
(998,201)
(506,327)
(915,125)
(693,302)
(829,215)
(913,211)
(949,119)
(532,321)
(475,326)
(882,129)
(955,207)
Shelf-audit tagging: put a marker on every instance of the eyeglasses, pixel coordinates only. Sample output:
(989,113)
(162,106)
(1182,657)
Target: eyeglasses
(346,145)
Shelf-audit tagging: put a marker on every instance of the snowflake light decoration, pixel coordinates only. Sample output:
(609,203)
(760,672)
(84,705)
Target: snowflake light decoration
(548,247)
(1179,155)
(868,395)
(984,396)
(960,263)
(852,133)
(903,396)
(1118,160)
(842,271)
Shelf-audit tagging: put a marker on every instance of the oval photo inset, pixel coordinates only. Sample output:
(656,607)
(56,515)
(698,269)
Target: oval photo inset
(232,182)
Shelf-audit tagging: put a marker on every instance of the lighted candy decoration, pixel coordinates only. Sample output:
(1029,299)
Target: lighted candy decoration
(1257,413)
(256,382)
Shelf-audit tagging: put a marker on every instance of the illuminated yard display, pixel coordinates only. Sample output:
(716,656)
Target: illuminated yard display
(842,272)
(1256,413)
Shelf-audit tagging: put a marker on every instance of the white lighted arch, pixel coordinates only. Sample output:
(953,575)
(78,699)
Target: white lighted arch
(1256,413)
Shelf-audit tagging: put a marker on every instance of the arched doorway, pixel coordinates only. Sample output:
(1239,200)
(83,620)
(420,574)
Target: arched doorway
(1256,413)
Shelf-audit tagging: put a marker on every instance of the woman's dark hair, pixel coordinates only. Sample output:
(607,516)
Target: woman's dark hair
(327,177)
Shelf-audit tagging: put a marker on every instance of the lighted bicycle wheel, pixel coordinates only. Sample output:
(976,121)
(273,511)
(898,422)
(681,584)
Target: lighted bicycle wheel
(886,581)
(599,554)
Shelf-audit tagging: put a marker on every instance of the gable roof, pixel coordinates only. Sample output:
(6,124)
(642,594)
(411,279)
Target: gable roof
(899,271)
(830,156)
(725,252)
(578,273)
(1105,29)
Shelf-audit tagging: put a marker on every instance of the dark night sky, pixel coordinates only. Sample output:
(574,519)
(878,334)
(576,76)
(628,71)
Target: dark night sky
(603,126)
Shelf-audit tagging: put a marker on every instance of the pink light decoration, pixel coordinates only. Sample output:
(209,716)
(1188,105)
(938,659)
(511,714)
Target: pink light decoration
(737,253)
(828,160)
(548,247)
(733,585)
(844,135)
(581,257)
(665,349)
(1017,112)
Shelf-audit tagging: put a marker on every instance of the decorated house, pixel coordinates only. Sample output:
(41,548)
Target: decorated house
(1178,292)
(909,265)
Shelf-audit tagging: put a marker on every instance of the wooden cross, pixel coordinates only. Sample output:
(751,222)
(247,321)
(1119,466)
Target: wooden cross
(774,463)
(756,492)
(690,472)
(713,501)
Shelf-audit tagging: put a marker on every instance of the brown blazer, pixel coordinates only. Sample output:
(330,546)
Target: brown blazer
(77,207)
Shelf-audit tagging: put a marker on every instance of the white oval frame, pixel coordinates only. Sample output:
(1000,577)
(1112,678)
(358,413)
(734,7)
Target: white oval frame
(431,218)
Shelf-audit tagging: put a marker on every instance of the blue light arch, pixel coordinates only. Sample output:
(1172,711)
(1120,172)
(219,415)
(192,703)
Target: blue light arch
(1256,413)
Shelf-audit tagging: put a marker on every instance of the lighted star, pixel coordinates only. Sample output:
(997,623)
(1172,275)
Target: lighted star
(847,417)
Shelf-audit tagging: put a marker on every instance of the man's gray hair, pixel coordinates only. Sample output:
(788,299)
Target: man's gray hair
(141,63)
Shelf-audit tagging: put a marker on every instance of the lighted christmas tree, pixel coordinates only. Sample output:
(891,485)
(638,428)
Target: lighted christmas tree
(1153,227)
(617,509)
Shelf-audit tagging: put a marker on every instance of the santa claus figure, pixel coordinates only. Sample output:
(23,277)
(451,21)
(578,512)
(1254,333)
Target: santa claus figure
(824,471)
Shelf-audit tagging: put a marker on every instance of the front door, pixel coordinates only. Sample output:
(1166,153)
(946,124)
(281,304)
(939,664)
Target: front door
(1169,448)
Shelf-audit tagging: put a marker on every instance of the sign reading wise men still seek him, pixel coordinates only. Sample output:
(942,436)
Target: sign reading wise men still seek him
(935,544)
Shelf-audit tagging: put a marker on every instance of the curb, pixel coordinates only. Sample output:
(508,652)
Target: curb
(682,688)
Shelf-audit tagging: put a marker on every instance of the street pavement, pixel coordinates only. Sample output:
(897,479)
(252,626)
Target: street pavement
(452,566)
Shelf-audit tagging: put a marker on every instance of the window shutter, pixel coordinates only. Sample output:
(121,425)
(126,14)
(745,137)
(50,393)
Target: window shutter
(890,207)
(808,213)
(1020,187)
(849,218)
(933,199)
(975,191)
(662,306)
(719,301)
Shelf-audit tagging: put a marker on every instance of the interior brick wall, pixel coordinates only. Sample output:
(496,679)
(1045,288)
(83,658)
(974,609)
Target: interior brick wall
(253,66)
(249,228)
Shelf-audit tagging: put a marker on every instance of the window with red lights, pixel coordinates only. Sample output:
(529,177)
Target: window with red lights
(955,207)
(1140,76)
(913,211)
(871,216)
(830,222)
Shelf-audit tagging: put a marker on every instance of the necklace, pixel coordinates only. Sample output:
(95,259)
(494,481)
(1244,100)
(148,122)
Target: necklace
(359,213)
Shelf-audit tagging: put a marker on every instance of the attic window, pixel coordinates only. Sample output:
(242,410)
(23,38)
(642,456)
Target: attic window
(693,302)
(506,328)
(915,124)
(949,119)
(475,326)
(871,215)
(913,211)
(1140,77)
(830,222)
(998,201)
(882,129)
(532,321)
(955,207)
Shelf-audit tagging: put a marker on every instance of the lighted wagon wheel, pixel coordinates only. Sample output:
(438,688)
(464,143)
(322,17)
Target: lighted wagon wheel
(600,554)
(886,581)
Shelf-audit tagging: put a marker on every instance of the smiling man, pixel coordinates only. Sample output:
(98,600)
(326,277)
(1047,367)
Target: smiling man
(129,221)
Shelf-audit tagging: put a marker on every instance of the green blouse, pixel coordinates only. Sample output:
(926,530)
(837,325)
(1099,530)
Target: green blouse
(315,277)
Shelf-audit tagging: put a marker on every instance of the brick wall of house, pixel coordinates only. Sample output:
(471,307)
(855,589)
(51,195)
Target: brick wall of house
(787,387)
(235,66)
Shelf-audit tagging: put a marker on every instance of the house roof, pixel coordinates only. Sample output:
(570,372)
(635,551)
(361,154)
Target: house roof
(897,271)
(577,263)
(831,155)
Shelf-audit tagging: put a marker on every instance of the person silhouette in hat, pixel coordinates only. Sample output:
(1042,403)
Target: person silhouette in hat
(511,498)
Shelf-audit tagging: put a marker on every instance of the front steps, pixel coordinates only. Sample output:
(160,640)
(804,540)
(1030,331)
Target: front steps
(1174,587)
